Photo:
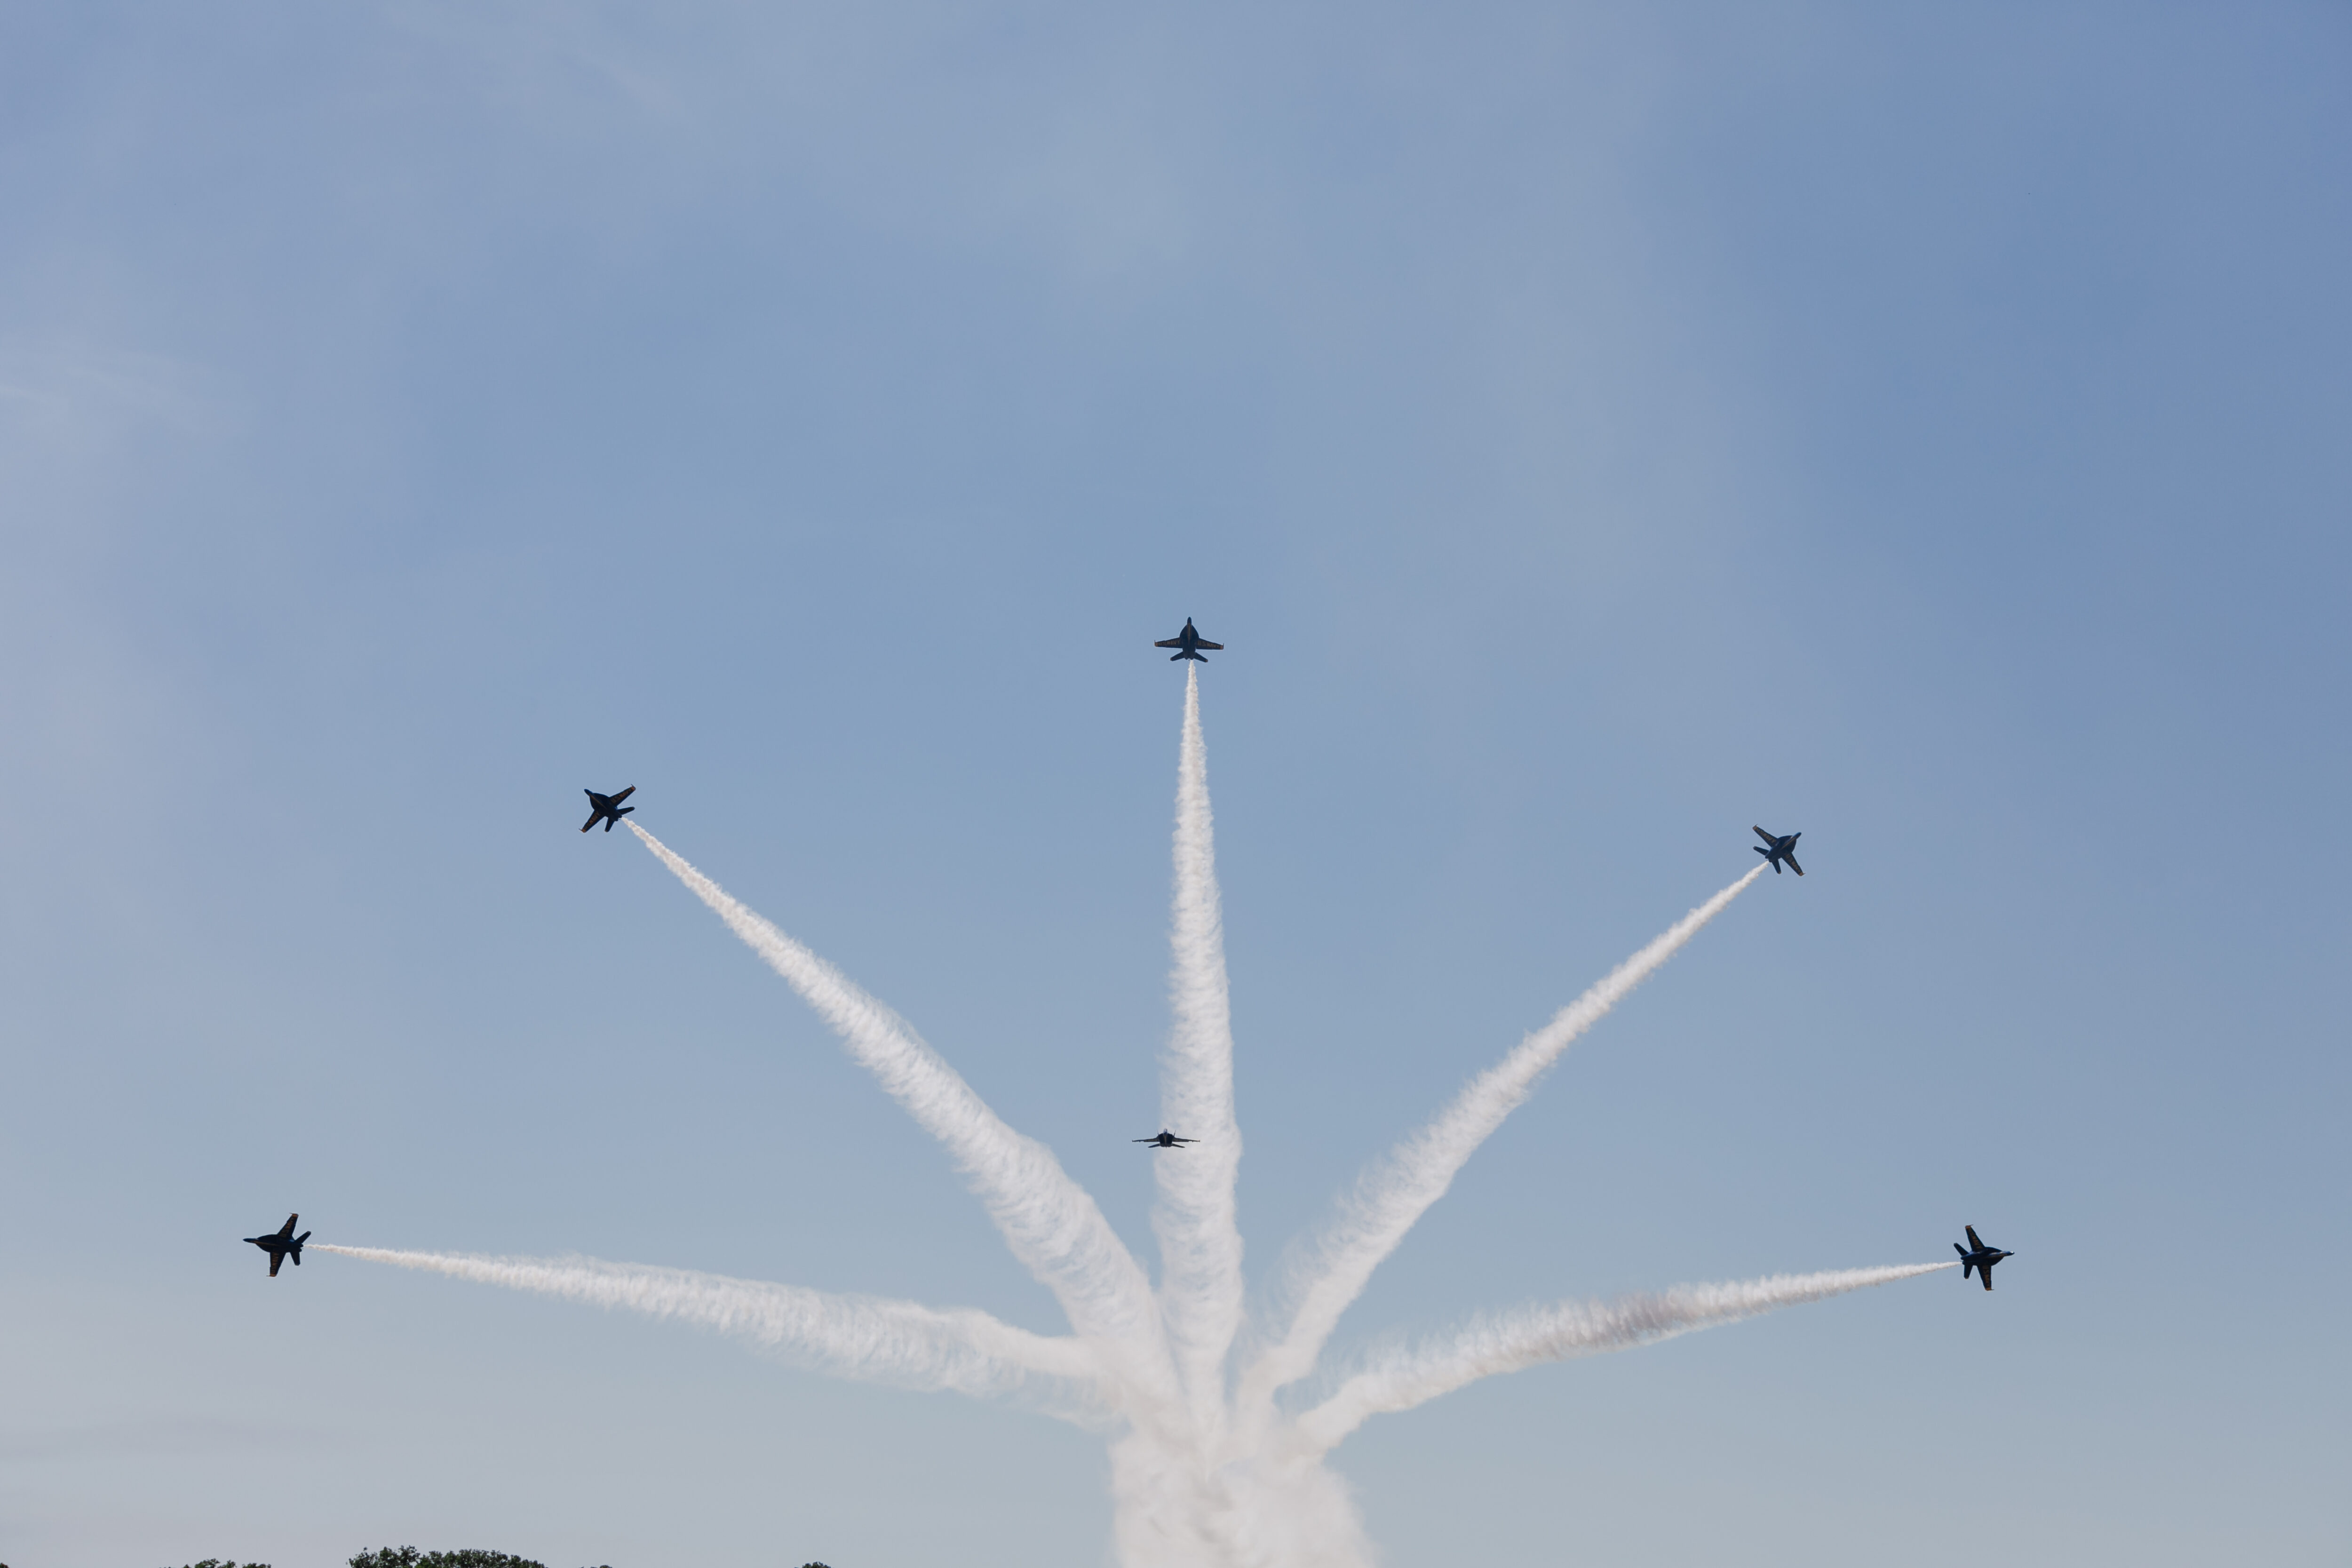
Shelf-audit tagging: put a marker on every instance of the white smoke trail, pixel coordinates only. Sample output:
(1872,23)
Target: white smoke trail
(1053,1225)
(1509,1342)
(1396,1193)
(872,1339)
(1201,1479)
(1201,1289)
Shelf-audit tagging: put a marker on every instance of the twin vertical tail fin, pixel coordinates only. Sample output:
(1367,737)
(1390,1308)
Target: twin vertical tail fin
(298,1247)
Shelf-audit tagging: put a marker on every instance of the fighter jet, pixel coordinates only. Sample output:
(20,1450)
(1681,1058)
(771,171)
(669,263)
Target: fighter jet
(1978,1258)
(1190,643)
(1166,1139)
(283,1245)
(606,808)
(1782,850)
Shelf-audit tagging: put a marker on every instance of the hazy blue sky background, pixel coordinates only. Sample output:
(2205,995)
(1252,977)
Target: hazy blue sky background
(1593,428)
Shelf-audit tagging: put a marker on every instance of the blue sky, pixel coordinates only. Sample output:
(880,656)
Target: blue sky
(1593,429)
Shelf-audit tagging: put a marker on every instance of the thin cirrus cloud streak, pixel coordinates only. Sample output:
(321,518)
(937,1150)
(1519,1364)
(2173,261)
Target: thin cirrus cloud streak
(1200,1477)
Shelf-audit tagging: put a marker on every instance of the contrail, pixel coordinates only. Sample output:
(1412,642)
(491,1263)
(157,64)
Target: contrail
(1208,1470)
(870,1338)
(1416,1174)
(1201,1287)
(1050,1222)
(1512,1341)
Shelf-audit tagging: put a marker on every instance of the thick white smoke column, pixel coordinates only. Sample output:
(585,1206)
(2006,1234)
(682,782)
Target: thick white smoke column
(870,1338)
(1051,1223)
(1397,1192)
(1201,1288)
(1200,1479)
(1500,1342)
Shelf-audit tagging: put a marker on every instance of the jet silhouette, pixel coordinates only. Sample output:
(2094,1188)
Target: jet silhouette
(1166,1139)
(1190,643)
(606,808)
(1979,1258)
(283,1245)
(1782,850)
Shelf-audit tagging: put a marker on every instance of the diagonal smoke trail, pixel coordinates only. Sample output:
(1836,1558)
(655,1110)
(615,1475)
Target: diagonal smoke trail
(1511,1341)
(1052,1225)
(1416,1173)
(1199,1241)
(869,1338)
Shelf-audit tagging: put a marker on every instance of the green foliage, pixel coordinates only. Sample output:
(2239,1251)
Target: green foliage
(409,1557)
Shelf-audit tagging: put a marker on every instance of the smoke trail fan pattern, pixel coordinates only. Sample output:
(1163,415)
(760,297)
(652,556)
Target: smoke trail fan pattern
(1210,1469)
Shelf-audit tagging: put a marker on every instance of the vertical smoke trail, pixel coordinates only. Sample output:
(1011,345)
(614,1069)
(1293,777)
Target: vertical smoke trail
(1199,1241)
(1510,1343)
(961,1350)
(1416,1173)
(1050,1222)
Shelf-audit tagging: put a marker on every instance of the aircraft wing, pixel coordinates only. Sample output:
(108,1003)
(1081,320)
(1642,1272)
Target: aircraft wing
(287,1228)
(624,795)
(275,1259)
(1204,642)
(1172,642)
(1791,859)
(591,822)
(1985,1275)
(1765,837)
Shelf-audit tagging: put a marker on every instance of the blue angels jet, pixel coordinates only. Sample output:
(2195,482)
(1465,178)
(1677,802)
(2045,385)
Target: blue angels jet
(1782,848)
(282,1246)
(606,808)
(1166,1139)
(1978,1258)
(1190,643)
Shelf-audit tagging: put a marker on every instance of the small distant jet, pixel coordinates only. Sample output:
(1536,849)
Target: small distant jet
(1190,643)
(1978,1258)
(1781,850)
(282,1246)
(606,808)
(1166,1139)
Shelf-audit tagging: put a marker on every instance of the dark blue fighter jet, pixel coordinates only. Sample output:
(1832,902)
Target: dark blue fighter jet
(1782,848)
(1978,1258)
(1166,1139)
(606,808)
(1188,643)
(282,1246)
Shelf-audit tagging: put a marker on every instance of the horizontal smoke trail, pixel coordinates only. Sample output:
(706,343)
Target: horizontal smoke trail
(1395,1194)
(1510,1342)
(869,1338)
(1053,1225)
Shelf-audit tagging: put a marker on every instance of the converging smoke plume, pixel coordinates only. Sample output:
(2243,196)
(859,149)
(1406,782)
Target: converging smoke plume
(1209,1469)
(1390,1200)
(1052,1225)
